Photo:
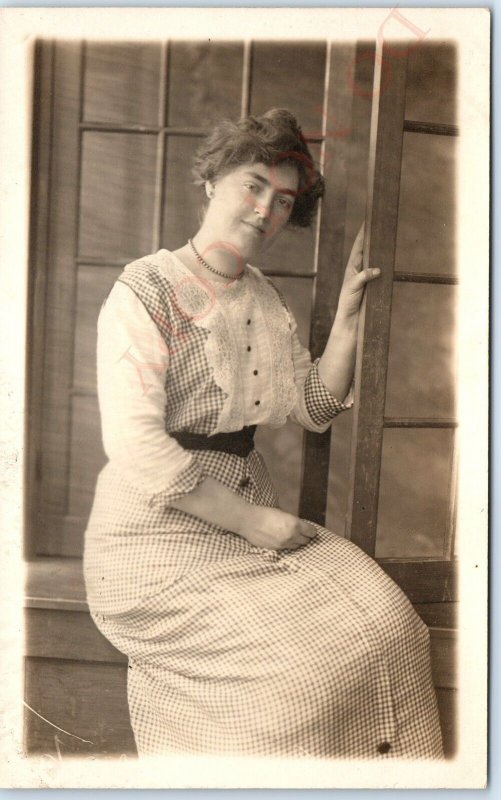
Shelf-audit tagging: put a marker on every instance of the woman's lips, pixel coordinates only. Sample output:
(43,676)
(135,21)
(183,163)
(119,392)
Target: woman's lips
(256,228)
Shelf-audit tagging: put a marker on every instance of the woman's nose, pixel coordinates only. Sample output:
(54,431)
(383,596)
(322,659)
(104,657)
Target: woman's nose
(263,207)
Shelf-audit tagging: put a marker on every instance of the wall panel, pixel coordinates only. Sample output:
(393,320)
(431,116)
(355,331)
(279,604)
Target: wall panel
(88,701)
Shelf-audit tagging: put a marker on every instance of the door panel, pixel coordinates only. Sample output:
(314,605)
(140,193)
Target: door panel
(431,91)
(279,69)
(117,196)
(93,285)
(414,493)
(421,360)
(122,83)
(182,198)
(426,235)
(213,90)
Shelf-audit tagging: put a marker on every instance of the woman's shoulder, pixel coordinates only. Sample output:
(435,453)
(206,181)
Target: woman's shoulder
(153,280)
(155,268)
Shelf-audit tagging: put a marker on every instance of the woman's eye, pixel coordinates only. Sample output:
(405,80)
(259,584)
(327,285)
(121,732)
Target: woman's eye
(284,204)
(250,186)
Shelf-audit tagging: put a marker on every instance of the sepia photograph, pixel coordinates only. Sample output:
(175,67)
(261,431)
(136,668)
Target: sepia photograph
(246,523)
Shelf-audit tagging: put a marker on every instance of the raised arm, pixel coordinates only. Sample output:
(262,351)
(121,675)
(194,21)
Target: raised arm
(337,364)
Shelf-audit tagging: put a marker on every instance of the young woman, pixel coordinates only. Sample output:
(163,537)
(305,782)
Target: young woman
(248,630)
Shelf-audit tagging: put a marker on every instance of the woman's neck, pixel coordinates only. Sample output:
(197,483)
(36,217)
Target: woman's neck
(221,255)
(226,264)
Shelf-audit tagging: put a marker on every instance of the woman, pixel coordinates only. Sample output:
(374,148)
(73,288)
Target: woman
(247,630)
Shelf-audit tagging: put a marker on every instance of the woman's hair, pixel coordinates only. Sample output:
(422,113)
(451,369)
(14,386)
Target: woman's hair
(273,139)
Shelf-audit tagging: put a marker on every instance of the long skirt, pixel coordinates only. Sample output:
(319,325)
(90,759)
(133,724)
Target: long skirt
(236,649)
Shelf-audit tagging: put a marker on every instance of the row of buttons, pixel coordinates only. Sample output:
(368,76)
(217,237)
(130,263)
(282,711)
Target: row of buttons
(245,481)
(255,372)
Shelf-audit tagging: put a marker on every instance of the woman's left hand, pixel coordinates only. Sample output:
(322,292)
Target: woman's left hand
(355,279)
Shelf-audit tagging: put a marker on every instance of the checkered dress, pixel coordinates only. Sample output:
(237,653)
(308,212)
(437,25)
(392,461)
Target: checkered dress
(232,648)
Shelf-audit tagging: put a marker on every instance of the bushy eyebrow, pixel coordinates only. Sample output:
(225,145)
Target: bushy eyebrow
(266,182)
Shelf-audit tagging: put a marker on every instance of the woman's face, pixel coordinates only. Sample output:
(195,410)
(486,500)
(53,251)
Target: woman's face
(250,205)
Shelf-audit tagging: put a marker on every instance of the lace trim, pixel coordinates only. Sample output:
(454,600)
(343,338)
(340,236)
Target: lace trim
(206,305)
(277,321)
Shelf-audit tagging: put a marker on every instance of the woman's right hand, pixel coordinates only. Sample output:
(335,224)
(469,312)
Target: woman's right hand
(274,529)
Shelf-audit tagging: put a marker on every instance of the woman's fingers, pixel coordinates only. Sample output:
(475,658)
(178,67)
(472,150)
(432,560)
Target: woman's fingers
(365,276)
(359,240)
(308,530)
(356,256)
(303,534)
(301,541)
(370,274)
(353,290)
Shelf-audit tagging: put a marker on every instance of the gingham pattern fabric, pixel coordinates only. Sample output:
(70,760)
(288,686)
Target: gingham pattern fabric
(233,648)
(321,404)
(194,401)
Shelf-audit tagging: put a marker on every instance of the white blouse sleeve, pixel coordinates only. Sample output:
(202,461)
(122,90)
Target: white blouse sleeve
(315,406)
(132,364)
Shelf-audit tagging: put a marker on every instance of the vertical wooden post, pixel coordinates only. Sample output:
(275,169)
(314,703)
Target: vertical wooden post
(346,136)
(329,268)
(385,155)
(60,289)
(37,287)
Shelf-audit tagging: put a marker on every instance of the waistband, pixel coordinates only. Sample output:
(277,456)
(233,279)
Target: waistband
(237,443)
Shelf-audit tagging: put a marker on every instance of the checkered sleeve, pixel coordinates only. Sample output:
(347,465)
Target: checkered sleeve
(315,406)
(322,406)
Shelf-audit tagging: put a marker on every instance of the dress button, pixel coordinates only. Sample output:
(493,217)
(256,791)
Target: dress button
(383,748)
(248,322)
(244,482)
(257,403)
(249,348)
(255,372)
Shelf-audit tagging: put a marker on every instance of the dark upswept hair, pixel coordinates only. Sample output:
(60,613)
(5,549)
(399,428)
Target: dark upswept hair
(272,139)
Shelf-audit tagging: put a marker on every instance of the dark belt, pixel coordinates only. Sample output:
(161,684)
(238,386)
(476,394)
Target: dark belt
(238,443)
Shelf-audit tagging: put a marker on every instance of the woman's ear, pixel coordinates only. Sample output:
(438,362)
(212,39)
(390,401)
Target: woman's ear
(209,189)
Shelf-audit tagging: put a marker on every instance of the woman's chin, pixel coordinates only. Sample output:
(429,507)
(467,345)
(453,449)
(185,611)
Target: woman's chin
(255,242)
